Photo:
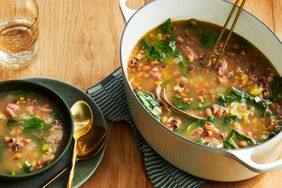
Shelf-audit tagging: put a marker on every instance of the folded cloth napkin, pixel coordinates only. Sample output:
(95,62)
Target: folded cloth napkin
(110,96)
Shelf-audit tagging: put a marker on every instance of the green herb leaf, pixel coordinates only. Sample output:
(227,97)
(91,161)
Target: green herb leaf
(183,63)
(230,119)
(12,122)
(235,95)
(165,47)
(26,167)
(229,143)
(166,27)
(31,123)
(159,51)
(193,126)
(150,103)
(208,38)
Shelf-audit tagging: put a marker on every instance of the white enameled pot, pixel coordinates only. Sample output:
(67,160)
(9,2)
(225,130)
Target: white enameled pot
(209,163)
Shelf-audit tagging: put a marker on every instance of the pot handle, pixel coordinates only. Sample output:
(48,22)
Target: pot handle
(126,12)
(244,156)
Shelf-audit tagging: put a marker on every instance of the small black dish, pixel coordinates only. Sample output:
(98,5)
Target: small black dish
(67,121)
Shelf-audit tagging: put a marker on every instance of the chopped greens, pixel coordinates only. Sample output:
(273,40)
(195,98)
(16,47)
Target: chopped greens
(27,167)
(235,95)
(230,143)
(160,50)
(207,36)
(197,123)
(166,27)
(150,103)
(193,126)
(183,62)
(230,119)
(31,123)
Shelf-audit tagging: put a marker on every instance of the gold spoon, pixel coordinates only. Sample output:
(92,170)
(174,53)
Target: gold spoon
(88,146)
(172,107)
(83,120)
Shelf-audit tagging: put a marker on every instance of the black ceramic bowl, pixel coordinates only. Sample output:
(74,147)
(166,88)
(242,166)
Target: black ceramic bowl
(67,121)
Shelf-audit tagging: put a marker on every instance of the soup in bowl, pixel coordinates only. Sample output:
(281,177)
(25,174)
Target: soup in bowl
(35,128)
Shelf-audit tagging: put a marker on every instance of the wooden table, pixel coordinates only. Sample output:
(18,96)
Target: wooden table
(79,43)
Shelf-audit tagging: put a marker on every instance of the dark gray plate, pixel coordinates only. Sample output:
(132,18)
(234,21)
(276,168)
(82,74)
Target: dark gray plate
(83,169)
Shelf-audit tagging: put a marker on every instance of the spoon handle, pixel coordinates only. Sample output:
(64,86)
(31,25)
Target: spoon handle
(73,161)
(55,177)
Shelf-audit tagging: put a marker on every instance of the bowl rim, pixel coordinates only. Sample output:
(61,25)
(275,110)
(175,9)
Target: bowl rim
(180,137)
(69,118)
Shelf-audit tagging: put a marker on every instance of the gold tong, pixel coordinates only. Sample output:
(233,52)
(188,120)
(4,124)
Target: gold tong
(212,54)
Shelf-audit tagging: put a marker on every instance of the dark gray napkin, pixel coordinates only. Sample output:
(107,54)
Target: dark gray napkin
(110,96)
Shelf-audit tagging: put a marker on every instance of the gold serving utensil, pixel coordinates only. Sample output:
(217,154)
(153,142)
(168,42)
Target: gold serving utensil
(83,120)
(88,146)
(172,107)
(229,34)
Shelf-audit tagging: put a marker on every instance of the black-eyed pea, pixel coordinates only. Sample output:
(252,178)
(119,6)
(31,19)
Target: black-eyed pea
(176,73)
(179,39)
(6,139)
(26,140)
(164,119)
(249,133)
(190,59)
(200,98)
(146,75)
(133,62)
(146,68)
(199,131)
(175,88)
(16,156)
(208,126)
(140,74)
(223,135)
(208,133)
(208,112)
(154,63)
(219,112)
(140,65)
(243,144)
(270,126)
(215,130)
(184,95)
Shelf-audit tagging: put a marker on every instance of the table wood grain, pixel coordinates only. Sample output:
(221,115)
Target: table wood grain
(79,44)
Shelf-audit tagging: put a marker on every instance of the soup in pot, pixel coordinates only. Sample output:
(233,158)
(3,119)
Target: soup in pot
(239,100)
(30,132)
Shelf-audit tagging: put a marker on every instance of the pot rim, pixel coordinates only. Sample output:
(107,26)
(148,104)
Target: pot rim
(218,150)
(68,138)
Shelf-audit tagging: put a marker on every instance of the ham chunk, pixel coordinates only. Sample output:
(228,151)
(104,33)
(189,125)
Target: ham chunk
(12,109)
(155,73)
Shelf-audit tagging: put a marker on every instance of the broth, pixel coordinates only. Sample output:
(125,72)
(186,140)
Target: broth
(30,132)
(239,100)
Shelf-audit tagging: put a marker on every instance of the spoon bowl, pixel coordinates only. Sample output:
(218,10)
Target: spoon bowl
(83,120)
(172,107)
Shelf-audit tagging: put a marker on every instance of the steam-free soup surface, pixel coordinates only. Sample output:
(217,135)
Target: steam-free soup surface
(30,132)
(239,99)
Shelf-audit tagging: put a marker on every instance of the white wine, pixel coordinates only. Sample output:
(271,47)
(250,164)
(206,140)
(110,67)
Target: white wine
(18,42)
(17,36)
